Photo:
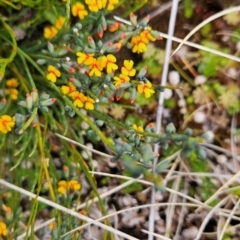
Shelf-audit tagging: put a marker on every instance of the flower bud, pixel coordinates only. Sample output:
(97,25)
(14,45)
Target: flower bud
(41,61)
(23,104)
(48,102)
(99,44)
(91,42)
(133,19)
(103,22)
(188,132)
(44,96)
(156,34)
(3,103)
(100,30)
(112,87)
(76,82)
(89,50)
(62,52)
(29,101)
(99,123)
(50,48)
(142,72)
(34,95)
(35,121)
(170,128)
(124,85)
(119,94)
(133,95)
(114,48)
(145,21)
(201,153)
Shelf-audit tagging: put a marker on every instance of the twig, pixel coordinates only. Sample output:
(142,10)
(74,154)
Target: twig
(160,106)
(207,218)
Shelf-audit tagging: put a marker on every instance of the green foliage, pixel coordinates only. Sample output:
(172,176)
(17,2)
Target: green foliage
(210,62)
(188,8)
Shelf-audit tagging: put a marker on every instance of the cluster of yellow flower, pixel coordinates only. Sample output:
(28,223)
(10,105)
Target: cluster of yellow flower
(97,65)
(3,229)
(51,31)
(78,9)
(79,99)
(139,43)
(11,90)
(65,186)
(6,123)
(128,71)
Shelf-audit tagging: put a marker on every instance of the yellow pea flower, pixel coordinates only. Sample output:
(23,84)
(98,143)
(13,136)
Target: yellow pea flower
(95,68)
(85,58)
(109,62)
(49,32)
(79,99)
(3,229)
(94,5)
(12,82)
(138,128)
(59,22)
(146,89)
(74,185)
(53,73)
(13,93)
(89,104)
(128,69)
(121,79)
(68,89)
(139,44)
(79,10)
(6,123)
(62,187)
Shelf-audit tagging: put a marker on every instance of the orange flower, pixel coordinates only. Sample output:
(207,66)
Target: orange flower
(114,27)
